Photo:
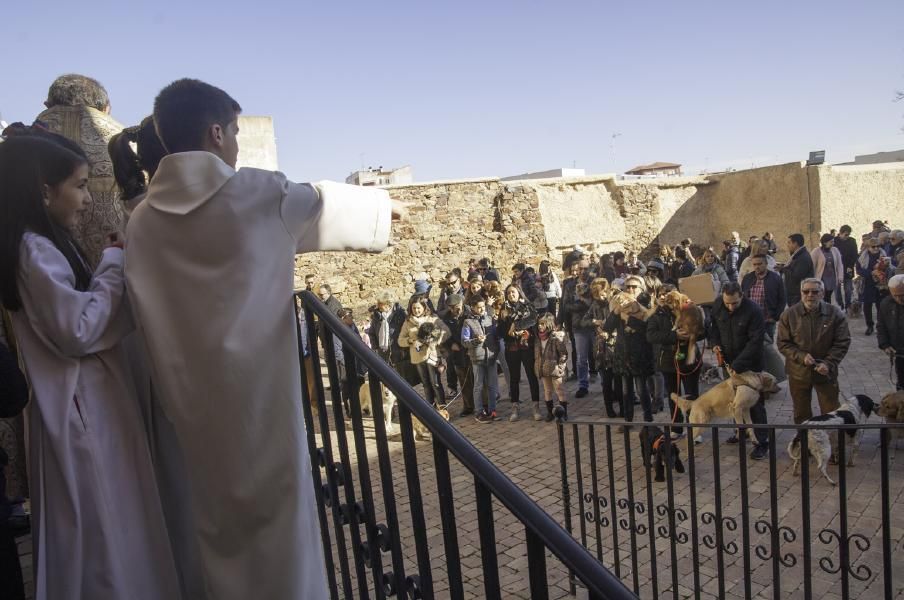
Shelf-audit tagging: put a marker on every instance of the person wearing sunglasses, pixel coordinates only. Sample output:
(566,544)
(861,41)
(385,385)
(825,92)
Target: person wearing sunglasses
(814,338)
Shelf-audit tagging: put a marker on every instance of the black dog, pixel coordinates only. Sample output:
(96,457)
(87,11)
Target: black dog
(652,443)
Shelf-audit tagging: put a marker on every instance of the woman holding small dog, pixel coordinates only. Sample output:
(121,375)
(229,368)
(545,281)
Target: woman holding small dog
(628,321)
(669,348)
(422,333)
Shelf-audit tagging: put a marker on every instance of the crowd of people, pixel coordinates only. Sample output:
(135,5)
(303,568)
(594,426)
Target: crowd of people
(611,311)
(158,360)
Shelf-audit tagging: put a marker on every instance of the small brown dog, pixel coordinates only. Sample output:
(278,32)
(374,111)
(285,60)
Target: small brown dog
(689,317)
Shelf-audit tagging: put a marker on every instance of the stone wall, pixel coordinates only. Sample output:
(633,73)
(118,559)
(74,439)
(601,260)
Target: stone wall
(857,195)
(530,220)
(448,224)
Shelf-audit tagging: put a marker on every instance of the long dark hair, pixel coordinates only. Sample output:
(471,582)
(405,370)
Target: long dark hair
(29,161)
(129,167)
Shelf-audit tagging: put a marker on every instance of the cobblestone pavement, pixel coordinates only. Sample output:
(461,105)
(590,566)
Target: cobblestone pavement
(527,452)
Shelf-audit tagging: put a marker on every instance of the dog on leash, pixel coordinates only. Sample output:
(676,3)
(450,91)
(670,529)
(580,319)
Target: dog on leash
(689,317)
(389,401)
(653,448)
(732,398)
(892,408)
(855,411)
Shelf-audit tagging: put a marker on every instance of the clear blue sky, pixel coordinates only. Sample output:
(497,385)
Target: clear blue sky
(467,89)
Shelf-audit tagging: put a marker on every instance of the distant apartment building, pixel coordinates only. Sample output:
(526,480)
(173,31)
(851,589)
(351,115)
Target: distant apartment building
(656,169)
(381,176)
(878,158)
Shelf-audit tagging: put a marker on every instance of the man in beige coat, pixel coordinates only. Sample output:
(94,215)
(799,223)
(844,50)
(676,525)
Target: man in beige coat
(209,265)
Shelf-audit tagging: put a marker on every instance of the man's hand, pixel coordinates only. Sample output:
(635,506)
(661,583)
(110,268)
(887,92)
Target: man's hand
(717,349)
(481,338)
(455,347)
(809,360)
(399,210)
(890,351)
(823,369)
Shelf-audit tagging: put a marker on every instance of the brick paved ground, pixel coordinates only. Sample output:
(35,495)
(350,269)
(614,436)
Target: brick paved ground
(528,453)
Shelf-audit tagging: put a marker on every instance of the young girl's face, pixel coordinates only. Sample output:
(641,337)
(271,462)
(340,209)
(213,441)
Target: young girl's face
(417,309)
(70,198)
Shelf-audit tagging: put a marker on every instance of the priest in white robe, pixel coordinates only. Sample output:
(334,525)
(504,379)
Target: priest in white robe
(209,267)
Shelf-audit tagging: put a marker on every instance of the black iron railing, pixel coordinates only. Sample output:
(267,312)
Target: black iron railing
(697,533)
(365,541)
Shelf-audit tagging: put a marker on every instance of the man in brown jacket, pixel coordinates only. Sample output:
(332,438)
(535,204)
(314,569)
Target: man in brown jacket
(814,338)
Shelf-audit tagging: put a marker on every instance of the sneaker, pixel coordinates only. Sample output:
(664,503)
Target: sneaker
(676,435)
(537,415)
(484,417)
(494,416)
(516,411)
(732,440)
(869,330)
(760,452)
(698,440)
(581,393)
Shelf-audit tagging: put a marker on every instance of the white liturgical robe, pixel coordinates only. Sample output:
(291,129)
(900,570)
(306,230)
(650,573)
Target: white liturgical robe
(209,267)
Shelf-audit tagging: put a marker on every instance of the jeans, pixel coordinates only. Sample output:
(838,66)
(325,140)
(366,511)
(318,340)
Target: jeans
(433,385)
(515,358)
(485,375)
(643,386)
(848,298)
(504,364)
(583,341)
(899,371)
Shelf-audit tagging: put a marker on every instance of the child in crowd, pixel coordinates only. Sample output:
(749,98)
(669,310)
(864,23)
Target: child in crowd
(478,335)
(550,361)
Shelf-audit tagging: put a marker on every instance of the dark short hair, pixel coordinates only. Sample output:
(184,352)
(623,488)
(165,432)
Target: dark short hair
(845,229)
(77,90)
(345,312)
(185,109)
(797,238)
(475,299)
(327,287)
(518,267)
(680,253)
(826,237)
(731,288)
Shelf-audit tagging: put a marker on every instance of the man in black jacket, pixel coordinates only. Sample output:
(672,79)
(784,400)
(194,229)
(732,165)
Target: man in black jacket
(458,359)
(799,268)
(849,255)
(890,332)
(737,331)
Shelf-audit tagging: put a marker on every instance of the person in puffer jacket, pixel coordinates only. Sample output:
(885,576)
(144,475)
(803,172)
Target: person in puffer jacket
(423,333)
(478,335)
(550,359)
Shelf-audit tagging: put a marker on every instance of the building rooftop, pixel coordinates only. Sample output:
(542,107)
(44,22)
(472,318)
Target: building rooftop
(653,167)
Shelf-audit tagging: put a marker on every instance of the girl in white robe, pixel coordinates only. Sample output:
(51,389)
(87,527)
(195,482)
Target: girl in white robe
(98,529)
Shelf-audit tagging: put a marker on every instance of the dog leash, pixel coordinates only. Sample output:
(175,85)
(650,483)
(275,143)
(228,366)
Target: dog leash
(679,374)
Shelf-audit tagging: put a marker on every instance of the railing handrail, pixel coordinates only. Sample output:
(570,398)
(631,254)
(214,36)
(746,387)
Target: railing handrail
(573,555)
(732,425)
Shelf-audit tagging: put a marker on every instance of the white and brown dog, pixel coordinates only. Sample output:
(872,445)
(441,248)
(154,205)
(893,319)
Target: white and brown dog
(732,398)
(855,411)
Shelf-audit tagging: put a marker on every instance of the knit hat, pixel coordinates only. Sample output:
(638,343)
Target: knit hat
(454,300)
(655,264)
(421,286)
